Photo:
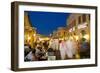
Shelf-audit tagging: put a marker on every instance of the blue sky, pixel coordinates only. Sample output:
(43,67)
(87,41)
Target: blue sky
(47,22)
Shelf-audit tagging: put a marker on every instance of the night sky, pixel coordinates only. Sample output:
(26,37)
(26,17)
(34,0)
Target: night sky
(47,22)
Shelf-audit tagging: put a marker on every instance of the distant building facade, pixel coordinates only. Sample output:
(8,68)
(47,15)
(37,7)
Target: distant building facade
(29,31)
(60,33)
(79,25)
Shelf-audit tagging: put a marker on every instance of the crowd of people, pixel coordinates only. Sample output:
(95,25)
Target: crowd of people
(55,49)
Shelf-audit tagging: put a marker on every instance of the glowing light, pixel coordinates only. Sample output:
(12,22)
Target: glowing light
(76,37)
(40,39)
(82,25)
(46,38)
(34,35)
(71,38)
(86,36)
(29,37)
(61,39)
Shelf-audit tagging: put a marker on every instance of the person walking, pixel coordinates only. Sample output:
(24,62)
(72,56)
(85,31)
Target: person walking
(71,48)
(62,48)
(84,49)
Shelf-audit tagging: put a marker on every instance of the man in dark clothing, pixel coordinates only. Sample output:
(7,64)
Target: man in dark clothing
(84,49)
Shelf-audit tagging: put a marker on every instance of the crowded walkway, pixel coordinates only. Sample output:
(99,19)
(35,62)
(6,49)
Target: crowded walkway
(55,49)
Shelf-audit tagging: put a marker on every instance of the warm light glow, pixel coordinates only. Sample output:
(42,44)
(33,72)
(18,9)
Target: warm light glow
(46,38)
(34,35)
(76,37)
(86,36)
(84,25)
(71,37)
(29,37)
(40,39)
(61,39)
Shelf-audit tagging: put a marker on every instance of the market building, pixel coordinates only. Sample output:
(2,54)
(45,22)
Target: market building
(61,32)
(78,26)
(29,31)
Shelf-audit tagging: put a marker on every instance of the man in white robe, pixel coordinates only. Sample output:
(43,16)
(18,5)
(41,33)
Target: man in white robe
(71,49)
(62,49)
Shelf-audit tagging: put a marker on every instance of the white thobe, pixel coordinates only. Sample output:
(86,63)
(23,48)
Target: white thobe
(62,48)
(70,51)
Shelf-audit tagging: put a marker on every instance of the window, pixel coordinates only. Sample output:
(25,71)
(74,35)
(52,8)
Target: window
(84,17)
(89,16)
(79,19)
(74,22)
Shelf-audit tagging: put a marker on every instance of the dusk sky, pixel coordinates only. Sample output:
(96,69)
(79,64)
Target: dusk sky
(47,22)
